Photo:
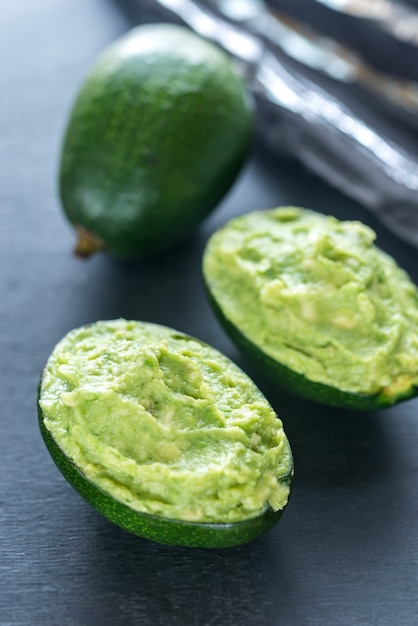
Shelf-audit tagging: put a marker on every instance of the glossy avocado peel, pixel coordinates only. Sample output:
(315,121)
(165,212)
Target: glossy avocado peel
(157,135)
(317,306)
(164,435)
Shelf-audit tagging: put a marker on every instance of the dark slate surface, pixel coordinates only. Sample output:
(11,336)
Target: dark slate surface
(346,550)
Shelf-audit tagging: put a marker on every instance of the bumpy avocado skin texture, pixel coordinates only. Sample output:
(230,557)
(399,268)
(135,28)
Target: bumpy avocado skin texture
(157,135)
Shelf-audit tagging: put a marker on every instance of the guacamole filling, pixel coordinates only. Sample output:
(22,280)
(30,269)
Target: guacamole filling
(315,294)
(165,424)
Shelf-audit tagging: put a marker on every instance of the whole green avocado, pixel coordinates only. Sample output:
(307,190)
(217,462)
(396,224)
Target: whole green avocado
(156,137)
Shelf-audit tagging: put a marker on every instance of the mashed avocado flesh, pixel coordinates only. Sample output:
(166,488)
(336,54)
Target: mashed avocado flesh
(165,424)
(319,297)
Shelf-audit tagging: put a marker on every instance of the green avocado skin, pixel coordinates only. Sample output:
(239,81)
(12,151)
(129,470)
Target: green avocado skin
(156,137)
(154,528)
(297,383)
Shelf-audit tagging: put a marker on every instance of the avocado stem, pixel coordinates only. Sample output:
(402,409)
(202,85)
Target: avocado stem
(87,243)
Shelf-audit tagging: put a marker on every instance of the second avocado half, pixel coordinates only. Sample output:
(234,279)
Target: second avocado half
(317,306)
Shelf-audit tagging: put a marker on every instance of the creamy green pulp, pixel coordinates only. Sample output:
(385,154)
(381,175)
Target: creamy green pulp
(315,294)
(164,423)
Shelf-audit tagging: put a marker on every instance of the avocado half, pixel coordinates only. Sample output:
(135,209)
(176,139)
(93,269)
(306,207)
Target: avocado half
(158,528)
(292,236)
